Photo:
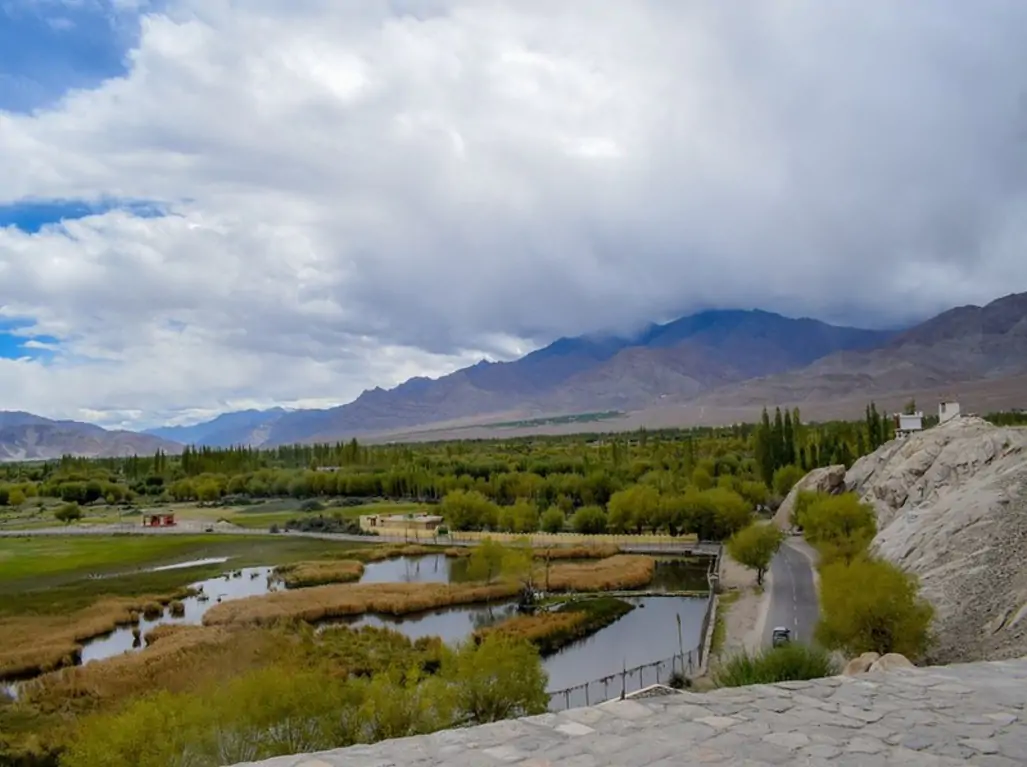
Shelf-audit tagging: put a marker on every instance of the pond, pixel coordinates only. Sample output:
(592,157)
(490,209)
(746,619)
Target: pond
(647,634)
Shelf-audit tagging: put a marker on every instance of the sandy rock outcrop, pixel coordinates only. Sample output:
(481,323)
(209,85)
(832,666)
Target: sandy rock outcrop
(829,479)
(951,507)
(860,665)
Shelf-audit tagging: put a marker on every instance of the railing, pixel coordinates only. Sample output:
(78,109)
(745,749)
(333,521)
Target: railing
(686,664)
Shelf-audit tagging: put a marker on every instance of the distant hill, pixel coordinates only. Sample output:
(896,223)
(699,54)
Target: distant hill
(964,345)
(27,437)
(243,427)
(670,362)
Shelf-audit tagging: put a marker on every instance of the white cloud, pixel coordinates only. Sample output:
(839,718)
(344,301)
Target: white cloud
(358,196)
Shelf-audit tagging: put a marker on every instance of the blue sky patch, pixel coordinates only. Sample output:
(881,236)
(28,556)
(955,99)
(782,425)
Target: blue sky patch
(32,215)
(53,46)
(13,337)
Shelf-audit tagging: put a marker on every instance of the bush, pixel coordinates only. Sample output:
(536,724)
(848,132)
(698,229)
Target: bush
(589,520)
(553,520)
(68,513)
(790,662)
(312,505)
(786,478)
(839,526)
(869,605)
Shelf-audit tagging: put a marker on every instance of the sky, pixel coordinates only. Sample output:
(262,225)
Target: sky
(209,205)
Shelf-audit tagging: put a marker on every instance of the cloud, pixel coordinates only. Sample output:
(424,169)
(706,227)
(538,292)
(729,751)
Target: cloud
(359,192)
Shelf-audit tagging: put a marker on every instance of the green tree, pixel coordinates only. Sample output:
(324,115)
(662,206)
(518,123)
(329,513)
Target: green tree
(524,515)
(468,510)
(870,605)
(499,679)
(839,526)
(785,479)
(486,561)
(589,520)
(68,513)
(553,520)
(634,508)
(16,497)
(755,546)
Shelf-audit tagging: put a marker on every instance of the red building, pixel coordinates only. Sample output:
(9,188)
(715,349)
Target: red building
(159,520)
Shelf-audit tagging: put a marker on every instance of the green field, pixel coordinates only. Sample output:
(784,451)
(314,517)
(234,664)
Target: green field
(49,574)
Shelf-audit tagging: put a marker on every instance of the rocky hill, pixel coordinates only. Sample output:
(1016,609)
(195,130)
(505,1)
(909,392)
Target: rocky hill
(952,508)
(27,437)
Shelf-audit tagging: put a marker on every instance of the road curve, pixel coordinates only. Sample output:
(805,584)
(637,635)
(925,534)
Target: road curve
(793,595)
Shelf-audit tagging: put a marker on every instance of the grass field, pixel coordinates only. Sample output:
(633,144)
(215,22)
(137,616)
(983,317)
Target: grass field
(50,574)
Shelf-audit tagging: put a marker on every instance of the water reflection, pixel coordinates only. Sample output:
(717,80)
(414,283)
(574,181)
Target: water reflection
(434,568)
(250,581)
(452,625)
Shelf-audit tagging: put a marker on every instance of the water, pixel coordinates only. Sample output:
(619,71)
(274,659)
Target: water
(647,634)
(253,582)
(434,568)
(193,563)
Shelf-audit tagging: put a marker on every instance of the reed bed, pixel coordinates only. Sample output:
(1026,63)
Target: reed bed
(176,658)
(321,603)
(598,551)
(380,553)
(319,573)
(622,571)
(341,600)
(551,631)
(40,643)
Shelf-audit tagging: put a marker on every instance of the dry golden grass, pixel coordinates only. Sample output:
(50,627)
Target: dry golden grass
(37,644)
(600,551)
(319,573)
(379,553)
(176,658)
(534,628)
(340,600)
(336,601)
(623,571)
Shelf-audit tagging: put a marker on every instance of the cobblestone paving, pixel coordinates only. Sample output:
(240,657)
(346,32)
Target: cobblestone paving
(952,715)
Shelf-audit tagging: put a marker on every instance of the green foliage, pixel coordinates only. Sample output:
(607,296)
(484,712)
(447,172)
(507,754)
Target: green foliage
(499,679)
(486,561)
(286,709)
(790,662)
(553,520)
(468,510)
(755,546)
(786,477)
(68,513)
(589,520)
(839,526)
(872,605)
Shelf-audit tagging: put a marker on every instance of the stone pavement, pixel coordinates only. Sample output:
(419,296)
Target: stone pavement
(950,715)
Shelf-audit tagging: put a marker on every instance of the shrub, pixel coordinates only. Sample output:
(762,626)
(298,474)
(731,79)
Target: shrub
(839,526)
(312,505)
(870,605)
(786,478)
(68,513)
(789,662)
(589,520)
(553,520)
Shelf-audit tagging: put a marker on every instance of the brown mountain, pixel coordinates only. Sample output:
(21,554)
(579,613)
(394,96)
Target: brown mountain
(27,437)
(963,347)
(674,361)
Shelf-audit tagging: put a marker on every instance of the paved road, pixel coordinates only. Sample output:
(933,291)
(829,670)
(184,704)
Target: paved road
(793,595)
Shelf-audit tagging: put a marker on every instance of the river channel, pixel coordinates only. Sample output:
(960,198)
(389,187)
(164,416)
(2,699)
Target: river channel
(647,634)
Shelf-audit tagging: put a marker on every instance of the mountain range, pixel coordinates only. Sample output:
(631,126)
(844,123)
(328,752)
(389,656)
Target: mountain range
(710,362)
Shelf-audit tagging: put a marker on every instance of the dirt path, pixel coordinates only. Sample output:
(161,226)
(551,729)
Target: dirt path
(744,607)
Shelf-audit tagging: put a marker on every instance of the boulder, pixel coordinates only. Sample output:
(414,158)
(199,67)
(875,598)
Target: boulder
(889,662)
(829,479)
(951,506)
(861,664)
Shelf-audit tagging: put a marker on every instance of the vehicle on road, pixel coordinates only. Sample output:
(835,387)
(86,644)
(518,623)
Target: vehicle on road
(780,636)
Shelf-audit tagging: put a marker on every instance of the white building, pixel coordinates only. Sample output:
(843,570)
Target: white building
(947,410)
(908,423)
